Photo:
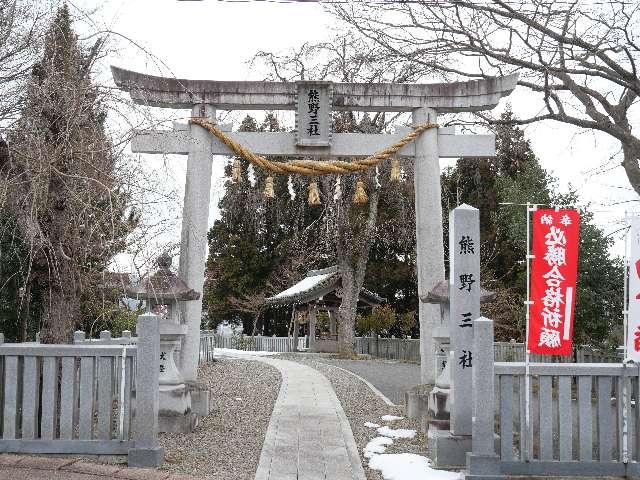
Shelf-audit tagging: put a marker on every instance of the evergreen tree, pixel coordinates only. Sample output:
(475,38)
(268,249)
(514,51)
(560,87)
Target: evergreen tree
(259,244)
(501,187)
(63,188)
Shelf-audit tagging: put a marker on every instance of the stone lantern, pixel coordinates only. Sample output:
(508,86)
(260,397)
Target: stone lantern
(438,409)
(162,291)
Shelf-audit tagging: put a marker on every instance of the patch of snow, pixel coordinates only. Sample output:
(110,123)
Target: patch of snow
(303,285)
(405,466)
(376,446)
(396,433)
(391,418)
(371,425)
(238,398)
(230,352)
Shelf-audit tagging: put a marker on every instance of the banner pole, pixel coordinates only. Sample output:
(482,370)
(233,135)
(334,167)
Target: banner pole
(527,377)
(625,333)
(625,304)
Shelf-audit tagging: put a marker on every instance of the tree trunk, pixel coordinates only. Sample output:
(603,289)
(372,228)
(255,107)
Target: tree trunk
(352,263)
(59,320)
(631,152)
(347,312)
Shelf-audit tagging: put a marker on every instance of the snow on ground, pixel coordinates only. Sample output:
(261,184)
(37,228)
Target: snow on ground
(371,425)
(391,418)
(396,433)
(376,446)
(405,466)
(230,352)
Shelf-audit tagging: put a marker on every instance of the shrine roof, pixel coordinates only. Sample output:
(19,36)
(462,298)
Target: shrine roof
(440,294)
(316,285)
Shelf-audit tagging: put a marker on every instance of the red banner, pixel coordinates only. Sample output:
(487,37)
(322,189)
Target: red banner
(554,271)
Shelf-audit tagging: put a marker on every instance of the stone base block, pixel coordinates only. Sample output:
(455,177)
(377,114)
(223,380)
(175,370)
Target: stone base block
(416,401)
(481,467)
(146,457)
(448,450)
(200,402)
(186,423)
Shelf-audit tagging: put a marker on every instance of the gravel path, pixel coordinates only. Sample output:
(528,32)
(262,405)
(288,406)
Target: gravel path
(227,444)
(391,377)
(362,405)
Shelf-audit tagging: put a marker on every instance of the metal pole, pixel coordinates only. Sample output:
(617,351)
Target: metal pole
(527,378)
(625,305)
(625,316)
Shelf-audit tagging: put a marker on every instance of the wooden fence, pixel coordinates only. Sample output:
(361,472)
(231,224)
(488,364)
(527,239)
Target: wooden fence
(210,340)
(82,399)
(583,418)
(408,349)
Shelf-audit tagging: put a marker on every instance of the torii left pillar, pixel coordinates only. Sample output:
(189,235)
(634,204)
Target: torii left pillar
(193,245)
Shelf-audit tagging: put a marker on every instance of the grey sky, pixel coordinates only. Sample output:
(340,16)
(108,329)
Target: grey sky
(215,40)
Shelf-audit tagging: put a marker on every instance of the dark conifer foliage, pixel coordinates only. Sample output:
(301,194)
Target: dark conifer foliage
(63,186)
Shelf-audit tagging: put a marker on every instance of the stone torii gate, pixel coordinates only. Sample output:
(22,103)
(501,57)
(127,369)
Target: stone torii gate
(313,138)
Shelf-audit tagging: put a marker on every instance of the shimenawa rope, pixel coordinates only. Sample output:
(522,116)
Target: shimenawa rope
(312,167)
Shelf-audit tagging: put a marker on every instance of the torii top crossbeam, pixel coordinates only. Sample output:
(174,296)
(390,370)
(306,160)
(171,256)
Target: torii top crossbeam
(474,95)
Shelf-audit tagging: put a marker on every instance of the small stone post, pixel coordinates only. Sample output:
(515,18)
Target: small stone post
(78,336)
(464,308)
(483,459)
(147,452)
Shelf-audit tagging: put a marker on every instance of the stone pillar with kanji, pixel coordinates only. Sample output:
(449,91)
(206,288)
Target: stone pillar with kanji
(449,448)
(464,308)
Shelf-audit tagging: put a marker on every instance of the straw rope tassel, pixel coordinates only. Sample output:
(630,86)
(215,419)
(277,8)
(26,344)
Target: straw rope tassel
(395,170)
(360,196)
(314,194)
(236,171)
(268,188)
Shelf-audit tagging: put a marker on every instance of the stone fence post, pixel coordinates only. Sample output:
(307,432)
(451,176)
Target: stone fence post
(482,460)
(147,452)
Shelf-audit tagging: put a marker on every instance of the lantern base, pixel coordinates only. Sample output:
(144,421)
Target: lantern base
(186,423)
(175,413)
(201,403)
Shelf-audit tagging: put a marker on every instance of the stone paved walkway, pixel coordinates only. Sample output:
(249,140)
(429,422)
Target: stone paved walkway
(309,437)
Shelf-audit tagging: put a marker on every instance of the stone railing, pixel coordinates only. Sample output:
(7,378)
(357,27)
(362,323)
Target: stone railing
(85,399)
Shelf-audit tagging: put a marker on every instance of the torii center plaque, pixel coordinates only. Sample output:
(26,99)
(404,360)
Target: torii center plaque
(313,116)
(314,102)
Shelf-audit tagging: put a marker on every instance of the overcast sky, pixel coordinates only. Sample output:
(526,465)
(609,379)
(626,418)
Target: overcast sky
(215,40)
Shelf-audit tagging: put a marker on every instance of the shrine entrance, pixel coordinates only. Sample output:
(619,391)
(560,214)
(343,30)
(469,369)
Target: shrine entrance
(313,102)
(318,293)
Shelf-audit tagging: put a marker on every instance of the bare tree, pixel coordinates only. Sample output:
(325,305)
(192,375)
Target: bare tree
(21,31)
(579,58)
(62,180)
(351,228)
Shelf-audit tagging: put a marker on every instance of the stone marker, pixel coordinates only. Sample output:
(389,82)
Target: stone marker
(147,452)
(449,448)
(464,308)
